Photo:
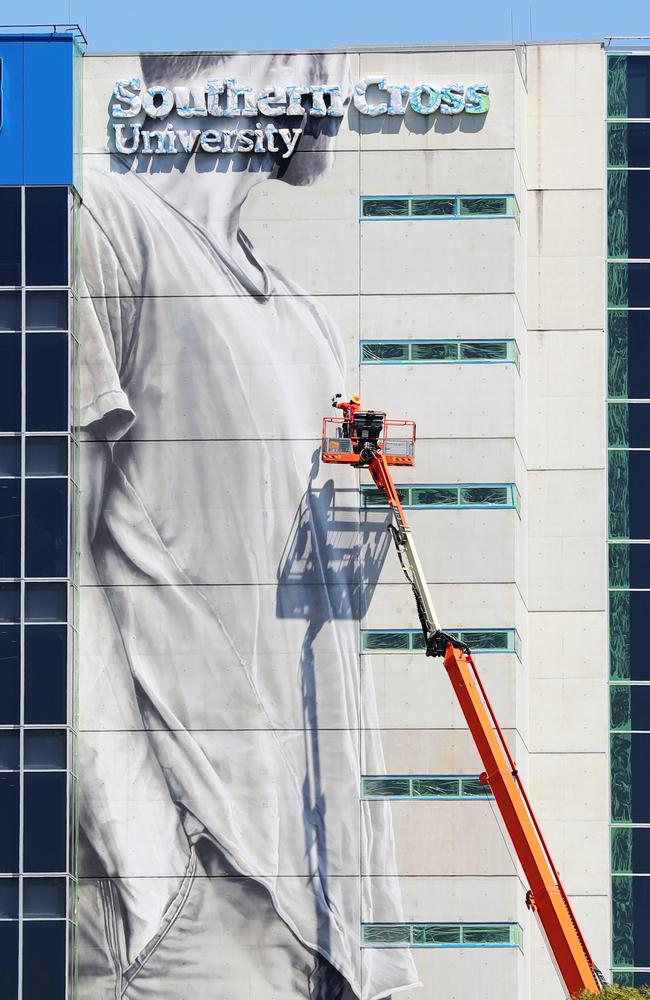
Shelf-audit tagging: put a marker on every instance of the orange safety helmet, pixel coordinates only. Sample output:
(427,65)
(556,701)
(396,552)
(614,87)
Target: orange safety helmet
(355,399)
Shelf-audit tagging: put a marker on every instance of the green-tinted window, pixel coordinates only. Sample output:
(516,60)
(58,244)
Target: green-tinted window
(621,777)
(485,640)
(432,496)
(617,205)
(472,788)
(484,350)
(372,497)
(386,934)
(393,642)
(432,206)
(385,207)
(628,144)
(439,788)
(434,351)
(486,496)
(486,934)
(418,644)
(385,351)
(386,788)
(619,494)
(483,206)
(436,934)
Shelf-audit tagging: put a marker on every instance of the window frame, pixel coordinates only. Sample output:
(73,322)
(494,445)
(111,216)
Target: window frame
(512,351)
(512,207)
(513,640)
(513,493)
(411,797)
(515,934)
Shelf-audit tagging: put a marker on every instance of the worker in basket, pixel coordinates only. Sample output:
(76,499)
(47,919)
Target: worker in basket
(349,409)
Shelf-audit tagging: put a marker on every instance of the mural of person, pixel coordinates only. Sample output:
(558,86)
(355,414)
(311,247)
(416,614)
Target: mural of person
(222,732)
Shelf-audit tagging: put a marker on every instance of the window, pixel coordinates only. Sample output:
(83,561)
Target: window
(629,483)
(628,425)
(10,369)
(44,959)
(628,207)
(628,144)
(438,935)
(629,565)
(628,762)
(628,86)
(10,239)
(629,707)
(440,207)
(9,810)
(630,920)
(45,808)
(375,352)
(629,613)
(46,673)
(628,284)
(46,527)
(494,495)
(412,640)
(47,311)
(10,672)
(9,527)
(45,602)
(46,235)
(423,787)
(9,457)
(629,354)
(46,366)
(630,850)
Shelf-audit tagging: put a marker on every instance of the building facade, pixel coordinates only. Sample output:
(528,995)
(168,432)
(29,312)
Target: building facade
(226,766)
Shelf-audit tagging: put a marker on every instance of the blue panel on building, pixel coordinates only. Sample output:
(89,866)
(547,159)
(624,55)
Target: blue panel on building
(37,131)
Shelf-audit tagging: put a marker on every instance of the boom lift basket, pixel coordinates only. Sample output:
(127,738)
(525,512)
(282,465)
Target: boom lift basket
(343,440)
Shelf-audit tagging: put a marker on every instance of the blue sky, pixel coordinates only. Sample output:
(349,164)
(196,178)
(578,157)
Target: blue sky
(292,24)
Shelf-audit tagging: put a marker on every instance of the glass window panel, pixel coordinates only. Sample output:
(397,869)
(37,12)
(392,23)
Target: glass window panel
(46,527)
(9,456)
(628,92)
(45,602)
(10,311)
(47,382)
(418,643)
(433,496)
(485,495)
(434,787)
(629,614)
(483,206)
(436,934)
(10,241)
(9,810)
(45,749)
(635,202)
(9,602)
(379,934)
(10,674)
(434,351)
(617,86)
(45,822)
(630,756)
(630,920)
(384,351)
(486,640)
(617,214)
(486,934)
(432,206)
(630,706)
(44,897)
(386,788)
(10,370)
(484,350)
(44,959)
(8,899)
(47,311)
(9,527)
(631,850)
(9,750)
(46,456)
(372,497)
(9,963)
(386,642)
(473,789)
(46,235)
(46,674)
(629,483)
(628,144)
(629,425)
(385,207)
(629,354)
(629,284)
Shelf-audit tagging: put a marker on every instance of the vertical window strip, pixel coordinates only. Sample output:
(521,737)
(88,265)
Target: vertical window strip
(441,935)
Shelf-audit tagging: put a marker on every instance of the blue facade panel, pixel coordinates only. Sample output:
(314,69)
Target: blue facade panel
(37,130)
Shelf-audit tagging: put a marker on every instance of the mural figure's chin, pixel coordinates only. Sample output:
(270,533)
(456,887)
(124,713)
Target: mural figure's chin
(306,166)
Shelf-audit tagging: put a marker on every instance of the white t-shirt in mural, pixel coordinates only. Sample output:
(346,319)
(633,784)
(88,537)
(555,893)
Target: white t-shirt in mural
(235,571)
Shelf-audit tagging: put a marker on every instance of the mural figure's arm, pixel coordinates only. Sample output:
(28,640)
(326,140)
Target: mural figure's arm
(126,809)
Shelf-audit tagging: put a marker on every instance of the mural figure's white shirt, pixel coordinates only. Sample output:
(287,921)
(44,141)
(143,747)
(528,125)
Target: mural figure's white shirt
(233,577)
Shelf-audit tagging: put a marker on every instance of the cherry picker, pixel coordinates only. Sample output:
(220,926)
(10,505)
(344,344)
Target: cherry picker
(374,443)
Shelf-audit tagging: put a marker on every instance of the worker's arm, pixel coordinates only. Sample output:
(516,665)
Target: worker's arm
(120,772)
